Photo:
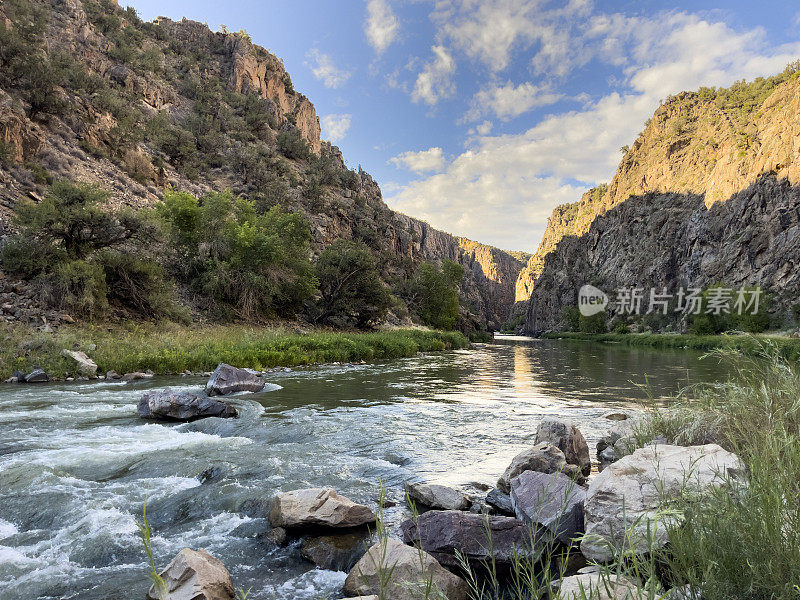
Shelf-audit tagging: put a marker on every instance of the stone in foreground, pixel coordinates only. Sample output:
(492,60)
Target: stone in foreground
(544,458)
(334,552)
(443,533)
(318,507)
(195,575)
(86,366)
(500,502)
(552,500)
(437,496)
(36,376)
(180,406)
(408,570)
(228,380)
(597,587)
(642,480)
(565,436)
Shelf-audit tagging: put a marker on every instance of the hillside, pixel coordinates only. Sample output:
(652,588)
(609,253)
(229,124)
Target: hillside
(705,195)
(90,93)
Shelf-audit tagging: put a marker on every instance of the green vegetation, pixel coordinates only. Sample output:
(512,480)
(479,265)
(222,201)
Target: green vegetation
(172,348)
(432,293)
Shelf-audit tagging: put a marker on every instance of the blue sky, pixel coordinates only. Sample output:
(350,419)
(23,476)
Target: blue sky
(482,116)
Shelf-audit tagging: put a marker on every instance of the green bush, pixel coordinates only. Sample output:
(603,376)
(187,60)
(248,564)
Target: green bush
(292,145)
(351,290)
(594,324)
(571,318)
(256,265)
(432,293)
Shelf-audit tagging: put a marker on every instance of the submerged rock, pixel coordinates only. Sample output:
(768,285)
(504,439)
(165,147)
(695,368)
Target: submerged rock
(195,575)
(318,507)
(433,495)
(335,552)
(544,458)
(552,500)
(227,380)
(565,436)
(86,365)
(642,481)
(181,406)
(442,533)
(406,572)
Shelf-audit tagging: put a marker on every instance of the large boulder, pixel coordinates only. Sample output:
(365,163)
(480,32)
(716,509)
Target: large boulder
(432,495)
(334,552)
(227,380)
(639,483)
(180,406)
(406,572)
(318,507)
(544,458)
(565,436)
(195,575)
(551,500)
(500,501)
(86,366)
(597,586)
(442,533)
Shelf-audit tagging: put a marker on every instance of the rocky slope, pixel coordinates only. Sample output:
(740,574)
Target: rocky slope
(706,194)
(141,107)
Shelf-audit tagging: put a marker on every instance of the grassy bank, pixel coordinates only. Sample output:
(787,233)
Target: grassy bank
(788,348)
(170,348)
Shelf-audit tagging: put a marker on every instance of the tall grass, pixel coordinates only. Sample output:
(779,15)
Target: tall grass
(171,348)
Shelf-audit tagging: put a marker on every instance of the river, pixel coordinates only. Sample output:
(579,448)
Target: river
(76,463)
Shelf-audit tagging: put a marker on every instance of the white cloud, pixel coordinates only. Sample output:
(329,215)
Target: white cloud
(324,70)
(381,26)
(508,101)
(484,128)
(334,127)
(422,161)
(435,81)
(503,188)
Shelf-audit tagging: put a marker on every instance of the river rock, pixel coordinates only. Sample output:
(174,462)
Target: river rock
(433,495)
(335,552)
(443,532)
(596,586)
(195,575)
(318,507)
(227,380)
(112,375)
(85,365)
(407,570)
(543,457)
(500,502)
(181,406)
(36,376)
(565,436)
(642,480)
(136,375)
(552,500)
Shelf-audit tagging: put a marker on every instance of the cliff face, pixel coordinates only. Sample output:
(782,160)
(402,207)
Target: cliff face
(706,194)
(142,107)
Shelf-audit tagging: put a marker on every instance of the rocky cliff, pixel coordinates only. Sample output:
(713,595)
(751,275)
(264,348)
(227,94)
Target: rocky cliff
(706,194)
(142,107)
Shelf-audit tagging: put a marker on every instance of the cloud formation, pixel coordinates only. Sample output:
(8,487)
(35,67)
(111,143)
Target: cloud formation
(324,70)
(335,126)
(435,81)
(422,161)
(382,26)
(507,100)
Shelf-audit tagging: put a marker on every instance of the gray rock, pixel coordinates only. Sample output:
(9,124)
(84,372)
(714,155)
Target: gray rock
(544,458)
(405,571)
(641,482)
(318,507)
(180,406)
(500,502)
(86,365)
(136,375)
(433,495)
(36,376)
(442,533)
(227,380)
(195,575)
(335,552)
(565,436)
(552,500)
(277,535)
(112,375)
(597,586)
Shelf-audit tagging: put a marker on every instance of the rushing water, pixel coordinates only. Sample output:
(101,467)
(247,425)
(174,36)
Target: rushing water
(76,464)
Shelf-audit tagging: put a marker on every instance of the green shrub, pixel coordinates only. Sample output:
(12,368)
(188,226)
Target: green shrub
(292,145)
(593,324)
(432,293)
(571,318)
(351,290)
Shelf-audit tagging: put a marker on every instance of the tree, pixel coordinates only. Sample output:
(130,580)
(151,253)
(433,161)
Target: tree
(433,293)
(351,290)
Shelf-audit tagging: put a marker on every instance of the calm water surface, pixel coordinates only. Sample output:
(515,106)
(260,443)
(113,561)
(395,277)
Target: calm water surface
(76,463)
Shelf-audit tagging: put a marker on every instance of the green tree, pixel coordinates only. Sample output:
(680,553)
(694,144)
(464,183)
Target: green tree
(351,290)
(433,293)
(258,265)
